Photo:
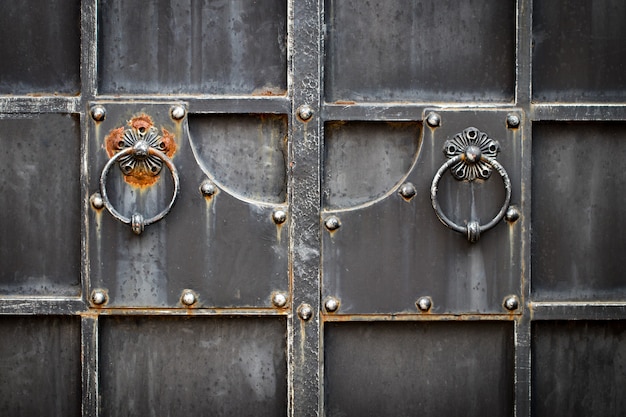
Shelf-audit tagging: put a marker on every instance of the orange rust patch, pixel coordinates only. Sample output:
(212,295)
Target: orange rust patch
(113,141)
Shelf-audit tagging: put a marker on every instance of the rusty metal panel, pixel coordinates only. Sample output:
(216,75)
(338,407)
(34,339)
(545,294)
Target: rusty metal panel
(581,368)
(384,255)
(577,51)
(200,366)
(40,359)
(40,188)
(226,250)
(579,195)
(419,368)
(393,50)
(40,45)
(209,47)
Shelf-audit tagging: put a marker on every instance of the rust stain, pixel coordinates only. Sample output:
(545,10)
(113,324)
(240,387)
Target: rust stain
(345,102)
(114,142)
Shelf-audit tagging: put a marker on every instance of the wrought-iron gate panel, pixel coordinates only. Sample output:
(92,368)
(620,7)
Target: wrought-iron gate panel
(313,207)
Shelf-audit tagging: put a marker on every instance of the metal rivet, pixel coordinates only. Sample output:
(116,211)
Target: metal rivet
(305,312)
(511,303)
(512,120)
(178,112)
(424,303)
(98,113)
(332,223)
(407,191)
(137,223)
(331,304)
(512,214)
(188,298)
(305,112)
(99,297)
(279,299)
(279,216)
(433,120)
(207,188)
(96,201)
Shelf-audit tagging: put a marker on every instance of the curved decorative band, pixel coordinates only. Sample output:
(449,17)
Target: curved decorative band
(473,229)
(137,221)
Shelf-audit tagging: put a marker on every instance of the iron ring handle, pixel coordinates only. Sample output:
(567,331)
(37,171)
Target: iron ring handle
(137,221)
(473,229)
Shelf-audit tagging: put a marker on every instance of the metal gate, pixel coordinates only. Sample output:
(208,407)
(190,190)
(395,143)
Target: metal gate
(339,208)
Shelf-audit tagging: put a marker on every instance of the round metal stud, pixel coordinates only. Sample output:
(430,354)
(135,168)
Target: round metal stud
(207,189)
(424,304)
(188,298)
(279,299)
(305,112)
(332,223)
(99,297)
(305,312)
(511,303)
(512,120)
(433,120)
(279,216)
(98,113)
(96,201)
(331,304)
(512,214)
(178,112)
(407,191)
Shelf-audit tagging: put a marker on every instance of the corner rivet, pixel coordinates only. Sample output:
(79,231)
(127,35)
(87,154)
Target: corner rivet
(433,120)
(331,304)
(305,112)
(207,189)
(279,299)
(512,120)
(188,298)
(305,312)
(279,216)
(332,223)
(511,303)
(99,297)
(407,191)
(98,113)
(424,304)
(512,214)
(178,112)
(96,201)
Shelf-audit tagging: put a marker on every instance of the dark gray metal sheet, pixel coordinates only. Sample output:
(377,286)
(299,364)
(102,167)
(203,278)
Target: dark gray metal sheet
(193,366)
(578,50)
(579,195)
(418,368)
(40,205)
(40,45)
(580,368)
(390,252)
(40,359)
(209,47)
(391,50)
(228,250)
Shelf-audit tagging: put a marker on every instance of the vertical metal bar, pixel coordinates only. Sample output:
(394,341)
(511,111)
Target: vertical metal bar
(522,366)
(523,60)
(305,84)
(89,360)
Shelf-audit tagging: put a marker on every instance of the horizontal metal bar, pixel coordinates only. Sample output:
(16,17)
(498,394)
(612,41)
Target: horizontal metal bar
(418,317)
(40,306)
(577,311)
(27,104)
(267,312)
(578,112)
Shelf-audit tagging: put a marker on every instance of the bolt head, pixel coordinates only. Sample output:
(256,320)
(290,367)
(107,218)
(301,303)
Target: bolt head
(424,303)
(188,298)
(408,191)
(331,305)
(96,201)
(305,112)
(279,216)
(207,189)
(433,120)
(98,297)
(332,223)
(178,112)
(512,214)
(511,303)
(305,312)
(279,299)
(473,154)
(512,120)
(98,113)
